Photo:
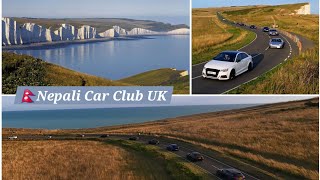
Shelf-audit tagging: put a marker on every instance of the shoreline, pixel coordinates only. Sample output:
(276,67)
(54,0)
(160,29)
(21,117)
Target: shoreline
(82,41)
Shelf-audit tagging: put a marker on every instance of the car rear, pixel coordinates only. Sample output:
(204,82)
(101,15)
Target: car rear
(273,32)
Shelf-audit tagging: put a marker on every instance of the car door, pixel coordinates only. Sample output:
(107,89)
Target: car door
(238,62)
(245,61)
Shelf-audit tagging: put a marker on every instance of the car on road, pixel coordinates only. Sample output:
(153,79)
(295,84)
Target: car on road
(50,136)
(242,24)
(12,137)
(277,43)
(273,32)
(81,135)
(230,174)
(173,147)
(265,29)
(227,65)
(253,27)
(104,135)
(134,138)
(195,156)
(153,142)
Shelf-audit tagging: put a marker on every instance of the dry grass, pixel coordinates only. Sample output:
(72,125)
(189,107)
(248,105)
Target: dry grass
(210,35)
(282,138)
(74,160)
(305,25)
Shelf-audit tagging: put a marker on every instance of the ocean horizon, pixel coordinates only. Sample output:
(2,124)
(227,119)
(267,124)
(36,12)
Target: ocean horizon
(99,117)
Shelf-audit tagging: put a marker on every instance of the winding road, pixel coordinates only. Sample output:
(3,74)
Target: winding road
(209,165)
(264,59)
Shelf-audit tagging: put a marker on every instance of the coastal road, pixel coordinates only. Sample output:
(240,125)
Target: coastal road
(209,165)
(264,59)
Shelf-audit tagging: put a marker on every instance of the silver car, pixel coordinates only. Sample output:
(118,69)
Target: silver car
(273,32)
(277,43)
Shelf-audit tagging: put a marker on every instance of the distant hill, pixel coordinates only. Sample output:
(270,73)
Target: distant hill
(102,24)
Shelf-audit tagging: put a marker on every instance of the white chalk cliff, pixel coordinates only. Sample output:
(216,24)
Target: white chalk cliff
(15,34)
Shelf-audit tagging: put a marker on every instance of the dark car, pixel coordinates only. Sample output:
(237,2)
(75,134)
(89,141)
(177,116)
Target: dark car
(153,142)
(104,135)
(241,24)
(265,29)
(230,174)
(195,156)
(173,147)
(253,27)
(134,138)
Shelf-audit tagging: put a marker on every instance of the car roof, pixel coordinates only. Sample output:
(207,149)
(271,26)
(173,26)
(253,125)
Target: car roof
(231,52)
(276,38)
(233,170)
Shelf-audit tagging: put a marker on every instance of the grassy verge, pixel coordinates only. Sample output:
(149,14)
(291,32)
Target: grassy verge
(163,77)
(210,36)
(176,167)
(73,159)
(23,70)
(299,75)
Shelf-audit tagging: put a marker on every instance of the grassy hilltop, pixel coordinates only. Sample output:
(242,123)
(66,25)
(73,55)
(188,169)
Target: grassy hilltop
(299,75)
(102,24)
(23,70)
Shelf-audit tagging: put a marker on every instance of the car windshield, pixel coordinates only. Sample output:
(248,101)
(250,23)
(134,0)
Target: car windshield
(276,40)
(226,56)
(273,30)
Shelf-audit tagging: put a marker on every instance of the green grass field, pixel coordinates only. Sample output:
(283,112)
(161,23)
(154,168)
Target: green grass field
(210,36)
(23,70)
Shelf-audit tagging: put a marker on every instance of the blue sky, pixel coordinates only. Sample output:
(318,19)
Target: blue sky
(172,11)
(223,3)
(7,102)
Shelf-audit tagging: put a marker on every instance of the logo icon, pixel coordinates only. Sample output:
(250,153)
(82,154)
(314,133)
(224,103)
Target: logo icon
(26,96)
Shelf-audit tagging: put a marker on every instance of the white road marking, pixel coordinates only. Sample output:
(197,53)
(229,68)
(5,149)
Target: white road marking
(215,166)
(266,71)
(267,48)
(249,43)
(197,77)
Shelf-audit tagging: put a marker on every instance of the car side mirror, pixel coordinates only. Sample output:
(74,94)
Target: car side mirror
(238,60)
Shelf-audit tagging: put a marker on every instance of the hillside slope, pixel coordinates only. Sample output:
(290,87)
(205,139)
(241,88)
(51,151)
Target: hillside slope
(259,136)
(298,75)
(23,70)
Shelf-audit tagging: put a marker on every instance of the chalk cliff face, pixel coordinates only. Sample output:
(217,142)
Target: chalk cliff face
(179,31)
(15,34)
(107,33)
(140,31)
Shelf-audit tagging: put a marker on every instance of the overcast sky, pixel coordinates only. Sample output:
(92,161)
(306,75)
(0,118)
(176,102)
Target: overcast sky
(224,3)
(172,11)
(7,102)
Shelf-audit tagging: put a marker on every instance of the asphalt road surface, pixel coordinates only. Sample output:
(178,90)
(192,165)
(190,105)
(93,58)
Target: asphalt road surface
(209,164)
(264,59)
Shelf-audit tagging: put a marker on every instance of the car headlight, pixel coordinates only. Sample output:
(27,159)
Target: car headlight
(224,70)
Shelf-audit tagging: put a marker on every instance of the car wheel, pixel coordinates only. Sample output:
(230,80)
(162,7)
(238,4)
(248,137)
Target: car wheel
(232,74)
(250,67)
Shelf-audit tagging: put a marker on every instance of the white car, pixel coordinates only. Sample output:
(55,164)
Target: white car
(12,137)
(227,65)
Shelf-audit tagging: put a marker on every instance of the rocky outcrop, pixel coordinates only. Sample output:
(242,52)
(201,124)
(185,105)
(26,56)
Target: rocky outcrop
(15,34)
